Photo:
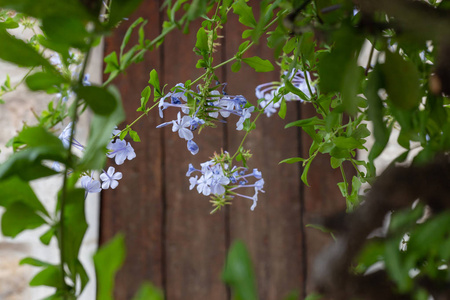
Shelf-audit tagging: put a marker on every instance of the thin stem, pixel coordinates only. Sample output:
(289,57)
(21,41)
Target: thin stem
(65,180)
(372,50)
(345,180)
(136,120)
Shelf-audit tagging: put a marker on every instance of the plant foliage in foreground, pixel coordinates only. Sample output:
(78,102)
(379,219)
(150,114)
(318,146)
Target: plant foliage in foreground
(401,86)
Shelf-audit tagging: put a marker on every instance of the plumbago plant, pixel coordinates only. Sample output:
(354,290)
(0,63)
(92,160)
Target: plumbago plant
(402,85)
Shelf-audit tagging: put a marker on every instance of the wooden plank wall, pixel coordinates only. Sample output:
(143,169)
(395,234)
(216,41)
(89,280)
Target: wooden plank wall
(172,240)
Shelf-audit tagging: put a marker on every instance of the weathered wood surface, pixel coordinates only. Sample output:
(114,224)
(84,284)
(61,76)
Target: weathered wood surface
(172,240)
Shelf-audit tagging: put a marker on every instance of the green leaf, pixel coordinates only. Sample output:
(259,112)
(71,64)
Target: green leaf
(147,291)
(350,86)
(81,274)
(291,88)
(154,81)
(202,40)
(235,67)
(290,45)
(245,13)
(15,190)
(39,136)
(108,260)
(145,95)
(196,9)
(402,81)
(75,226)
(28,164)
(134,135)
(307,45)
(243,46)
(347,143)
(306,122)
(376,113)
(100,135)
(57,28)
(44,81)
(283,109)
(238,273)
(127,36)
(294,295)
(336,162)
(340,60)
(45,8)
(20,53)
(313,296)
(50,276)
(19,217)
(47,236)
(99,99)
(120,9)
(304,176)
(292,160)
(34,262)
(112,63)
(258,64)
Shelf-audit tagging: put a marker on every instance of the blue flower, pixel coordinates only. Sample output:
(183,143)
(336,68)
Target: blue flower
(90,185)
(181,125)
(120,150)
(266,92)
(192,147)
(110,178)
(246,113)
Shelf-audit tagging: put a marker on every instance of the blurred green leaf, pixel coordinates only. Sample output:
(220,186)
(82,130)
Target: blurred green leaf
(100,134)
(19,217)
(120,9)
(50,276)
(108,260)
(44,8)
(34,262)
(15,190)
(376,113)
(47,236)
(99,99)
(334,67)
(75,226)
(238,273)
(66,29)
(402,81)
(283,109)
(44,81)
(20,53)
(147,291)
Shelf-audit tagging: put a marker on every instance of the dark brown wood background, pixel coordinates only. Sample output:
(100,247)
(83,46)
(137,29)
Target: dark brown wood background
(172,240)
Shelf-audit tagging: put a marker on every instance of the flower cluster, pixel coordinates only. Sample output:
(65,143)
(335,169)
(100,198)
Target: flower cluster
(268,91)
(221,181)
(200,111)
(120,150)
